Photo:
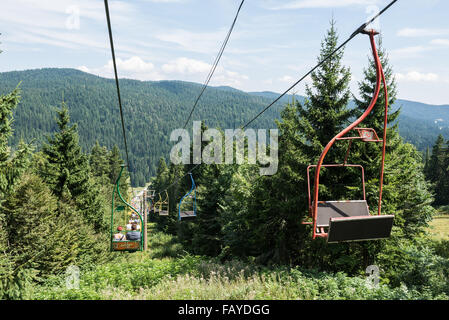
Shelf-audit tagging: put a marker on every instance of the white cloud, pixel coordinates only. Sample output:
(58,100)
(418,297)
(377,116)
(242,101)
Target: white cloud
(133,64)
(286,79)
(302,4)
(229,78)
(84,69)
(296,67)
(415,76)
(440,42)
(181,68)
(62,23)
(412,32)
(409,52)
(132,68)
(186,66)
(55,13)
(199,69)
(202,42)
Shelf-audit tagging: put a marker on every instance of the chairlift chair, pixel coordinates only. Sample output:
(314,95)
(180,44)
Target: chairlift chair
(157,205)
(187,204)
(350,220)
(121,211)
(164,205)
(150,201)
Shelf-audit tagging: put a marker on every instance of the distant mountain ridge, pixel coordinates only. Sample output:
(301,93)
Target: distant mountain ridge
(154,108)
(419,123)
(416,110)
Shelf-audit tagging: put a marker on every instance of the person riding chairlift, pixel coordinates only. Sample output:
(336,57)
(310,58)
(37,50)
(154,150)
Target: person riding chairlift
(119,236)
(133,235)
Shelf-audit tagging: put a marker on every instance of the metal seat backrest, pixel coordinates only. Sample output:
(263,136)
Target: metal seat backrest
(340,209)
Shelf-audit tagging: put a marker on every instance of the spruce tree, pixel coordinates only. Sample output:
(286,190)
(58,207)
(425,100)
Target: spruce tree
(99,162)
(278,203)
(437,171)
(405,191)
(325,113)
(445,177)
(213,183)
(162,176)
(115,163)
(436,160)
(237,231)
(427,162)
(66,171)
(40,236)
(12,167)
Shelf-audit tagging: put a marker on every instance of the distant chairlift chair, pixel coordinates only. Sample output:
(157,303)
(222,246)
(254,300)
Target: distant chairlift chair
(164,205)
(157,205)
(150,201)
(187,204)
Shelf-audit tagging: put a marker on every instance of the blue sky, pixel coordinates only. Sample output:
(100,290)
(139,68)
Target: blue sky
(274,42)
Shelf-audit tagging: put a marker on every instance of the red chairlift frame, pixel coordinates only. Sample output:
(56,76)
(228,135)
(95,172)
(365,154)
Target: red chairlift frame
(364,134)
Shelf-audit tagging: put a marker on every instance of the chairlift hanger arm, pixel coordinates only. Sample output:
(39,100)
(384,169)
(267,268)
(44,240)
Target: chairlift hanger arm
(188,194)
(371,34)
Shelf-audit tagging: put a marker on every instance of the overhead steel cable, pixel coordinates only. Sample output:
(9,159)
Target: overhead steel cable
(353,35)
(214,66)
(209,76)
(205,85)
(108,18)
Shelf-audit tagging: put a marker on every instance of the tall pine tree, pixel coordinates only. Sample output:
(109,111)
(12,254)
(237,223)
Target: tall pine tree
(405,192)
(437,171)
(66,171)
(12,167)
(325,113)
(280,202)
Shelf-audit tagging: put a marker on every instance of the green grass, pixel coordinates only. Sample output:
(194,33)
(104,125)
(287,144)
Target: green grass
(439,227)
(166,272)
(192,277)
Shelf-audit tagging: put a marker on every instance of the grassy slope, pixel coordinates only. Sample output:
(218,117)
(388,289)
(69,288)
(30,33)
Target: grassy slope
(165,272)
(439,227)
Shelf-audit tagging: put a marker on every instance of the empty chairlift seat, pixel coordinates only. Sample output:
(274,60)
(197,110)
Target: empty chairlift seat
(187,214)
(187,205)
(351,221)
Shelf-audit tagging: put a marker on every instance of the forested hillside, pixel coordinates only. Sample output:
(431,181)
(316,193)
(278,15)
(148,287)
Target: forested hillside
(419,123)
(243,235)
(154,109)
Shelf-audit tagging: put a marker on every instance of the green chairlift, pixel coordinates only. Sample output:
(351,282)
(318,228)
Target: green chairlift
(120,214)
